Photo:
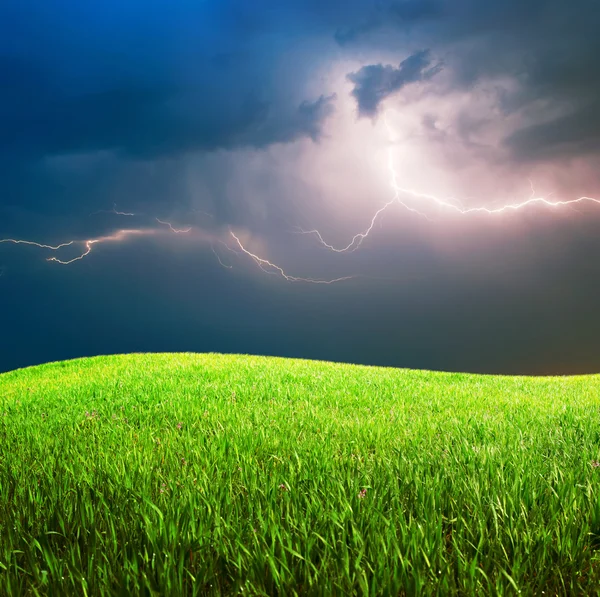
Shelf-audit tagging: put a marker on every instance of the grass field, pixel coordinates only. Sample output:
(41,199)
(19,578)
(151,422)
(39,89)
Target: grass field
(177,474)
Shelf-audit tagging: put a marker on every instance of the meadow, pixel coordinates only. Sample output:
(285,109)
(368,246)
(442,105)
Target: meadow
(205,474)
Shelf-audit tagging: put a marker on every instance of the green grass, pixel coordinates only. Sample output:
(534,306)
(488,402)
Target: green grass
(177,474)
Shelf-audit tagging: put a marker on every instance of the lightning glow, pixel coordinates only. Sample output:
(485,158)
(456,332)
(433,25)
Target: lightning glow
(400,191)
(412,200)
(263,264)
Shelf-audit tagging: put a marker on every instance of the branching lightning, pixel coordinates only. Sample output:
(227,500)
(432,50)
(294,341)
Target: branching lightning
(410,199)
(264,264)
(88,244)
(399,191)
(88,249)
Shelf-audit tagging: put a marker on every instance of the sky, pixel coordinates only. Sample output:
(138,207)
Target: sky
(407,183)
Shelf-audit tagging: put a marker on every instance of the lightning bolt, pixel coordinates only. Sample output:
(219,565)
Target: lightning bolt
(87,244)
(175,230)
(264,264)
(399,197)
(124,213)
(34,244)
(212,246)
(112,211)
(116,237)
(400,191)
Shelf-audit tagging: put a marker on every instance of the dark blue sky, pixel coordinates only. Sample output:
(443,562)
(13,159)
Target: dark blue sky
(261,117)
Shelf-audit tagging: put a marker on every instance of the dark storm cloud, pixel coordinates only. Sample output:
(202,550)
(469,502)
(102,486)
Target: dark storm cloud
(375,82)
(306,121)
(156,122)
(190,78)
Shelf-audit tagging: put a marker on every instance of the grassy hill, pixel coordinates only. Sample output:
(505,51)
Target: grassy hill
(175,474)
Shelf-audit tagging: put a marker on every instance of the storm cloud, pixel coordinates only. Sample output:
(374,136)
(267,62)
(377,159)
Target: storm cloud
(375,82)
(154,122)
(266,118)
